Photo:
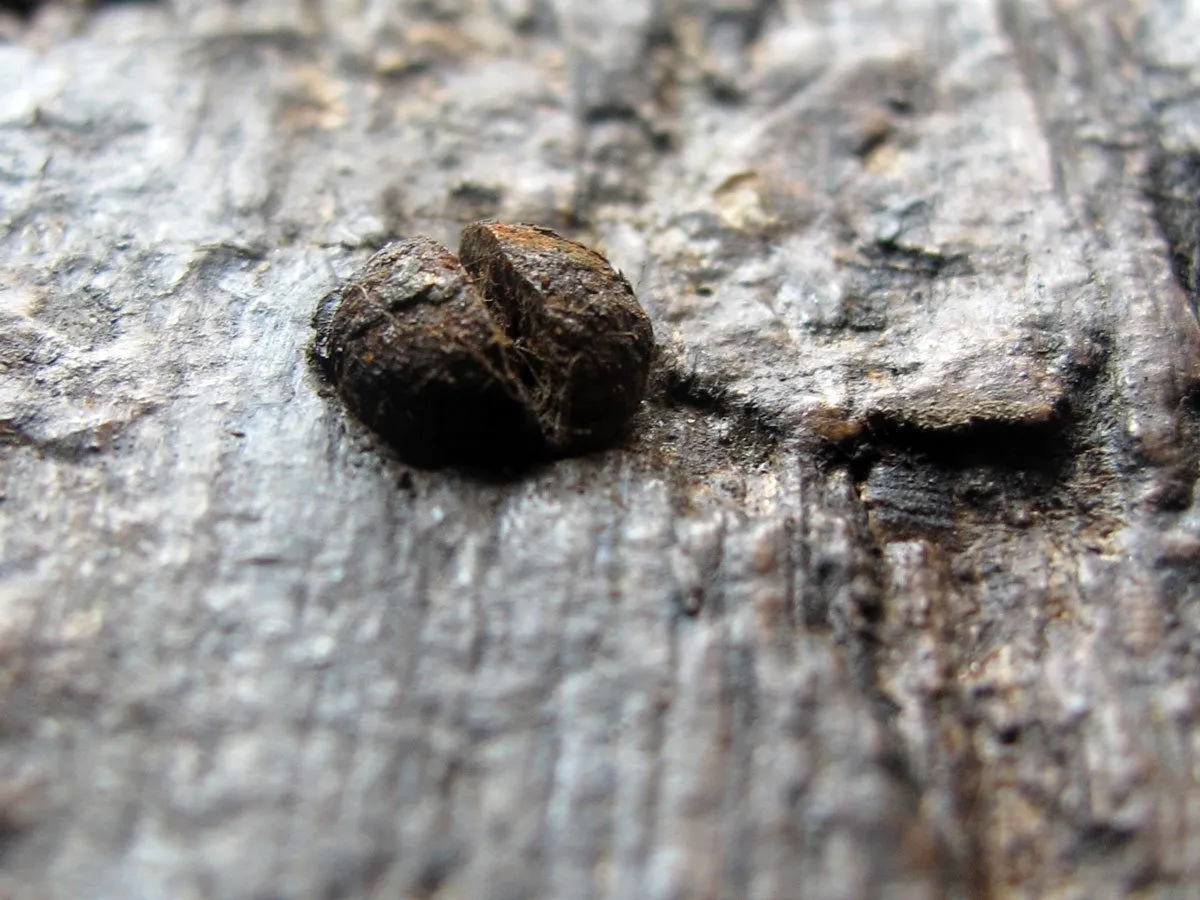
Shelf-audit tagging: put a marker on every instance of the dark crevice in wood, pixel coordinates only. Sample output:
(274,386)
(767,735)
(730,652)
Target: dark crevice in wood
(1174,190)
(749,19)
(1010,445)
(26,8)
(895,256)
(920,480)
(611,112)
(873,140)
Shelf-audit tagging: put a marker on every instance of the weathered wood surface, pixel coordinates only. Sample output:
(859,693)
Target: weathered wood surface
(893,592)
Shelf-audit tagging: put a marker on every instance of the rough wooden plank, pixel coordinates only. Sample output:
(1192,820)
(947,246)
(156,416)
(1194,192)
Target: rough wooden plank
(891,593)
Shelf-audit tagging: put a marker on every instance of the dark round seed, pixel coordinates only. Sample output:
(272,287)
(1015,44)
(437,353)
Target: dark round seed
(413,350)
(582,343)
(533,343)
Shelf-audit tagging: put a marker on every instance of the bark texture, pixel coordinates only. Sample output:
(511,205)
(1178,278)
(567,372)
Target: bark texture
(894,592)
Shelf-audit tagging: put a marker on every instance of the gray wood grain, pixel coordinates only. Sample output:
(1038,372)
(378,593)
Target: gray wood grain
(892,592)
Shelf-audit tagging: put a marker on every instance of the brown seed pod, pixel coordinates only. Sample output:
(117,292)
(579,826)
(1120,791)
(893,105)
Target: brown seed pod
(582,343)
(532,343)
(414,351)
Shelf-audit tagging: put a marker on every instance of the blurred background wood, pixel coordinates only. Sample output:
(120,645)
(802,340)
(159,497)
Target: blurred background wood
(892,592)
